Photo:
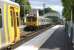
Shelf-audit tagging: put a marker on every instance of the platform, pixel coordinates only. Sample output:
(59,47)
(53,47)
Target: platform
(38,41)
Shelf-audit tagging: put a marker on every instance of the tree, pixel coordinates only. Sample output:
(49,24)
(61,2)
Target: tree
(25,6)
(46,10)
(68,6)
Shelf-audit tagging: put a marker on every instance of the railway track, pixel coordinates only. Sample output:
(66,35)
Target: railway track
(28,36)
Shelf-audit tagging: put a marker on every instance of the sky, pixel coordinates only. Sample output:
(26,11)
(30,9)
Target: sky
(54,4)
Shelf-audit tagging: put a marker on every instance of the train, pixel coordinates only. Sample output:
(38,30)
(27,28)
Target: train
(10,32)
(9,23)
(36,22)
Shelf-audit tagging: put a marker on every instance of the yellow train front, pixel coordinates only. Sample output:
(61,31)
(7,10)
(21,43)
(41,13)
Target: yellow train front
(34,22)
(9,23)
(31,22)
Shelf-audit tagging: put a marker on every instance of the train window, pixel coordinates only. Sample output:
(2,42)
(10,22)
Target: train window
(0,19)
(17,21)
(16,13)
(11,13)
(28,19)
(0,11)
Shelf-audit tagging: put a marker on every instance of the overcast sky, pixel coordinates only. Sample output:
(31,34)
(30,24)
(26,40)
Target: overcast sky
(54,4)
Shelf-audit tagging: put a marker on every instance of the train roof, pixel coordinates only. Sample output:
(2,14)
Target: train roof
(9,2)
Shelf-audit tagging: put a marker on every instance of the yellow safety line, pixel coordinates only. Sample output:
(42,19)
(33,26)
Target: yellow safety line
(9,38)
(6,35)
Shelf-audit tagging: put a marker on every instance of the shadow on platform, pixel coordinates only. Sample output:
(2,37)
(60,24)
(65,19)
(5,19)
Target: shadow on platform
(58,41)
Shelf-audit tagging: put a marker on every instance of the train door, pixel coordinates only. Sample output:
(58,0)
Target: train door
(14,22)
(17,12)
(13,28)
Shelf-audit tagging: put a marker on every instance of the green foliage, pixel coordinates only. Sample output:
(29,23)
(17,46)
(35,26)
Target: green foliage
(46,10)
(25,6)
(68,6)
(67,13)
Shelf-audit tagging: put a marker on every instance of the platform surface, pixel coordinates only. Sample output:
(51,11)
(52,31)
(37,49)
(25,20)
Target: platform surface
(58,41)
(38,41)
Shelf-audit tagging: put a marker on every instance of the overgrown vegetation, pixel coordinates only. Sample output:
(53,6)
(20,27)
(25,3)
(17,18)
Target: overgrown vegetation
(68,6)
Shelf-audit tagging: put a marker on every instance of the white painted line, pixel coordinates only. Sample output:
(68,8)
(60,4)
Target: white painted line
(38,41)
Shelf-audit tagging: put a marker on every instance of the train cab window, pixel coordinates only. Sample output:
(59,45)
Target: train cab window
(28,18)
(31,18)
(0,19)
(34,19)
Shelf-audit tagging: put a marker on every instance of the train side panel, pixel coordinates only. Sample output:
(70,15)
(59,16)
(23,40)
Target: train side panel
(3,26)
(9,34)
